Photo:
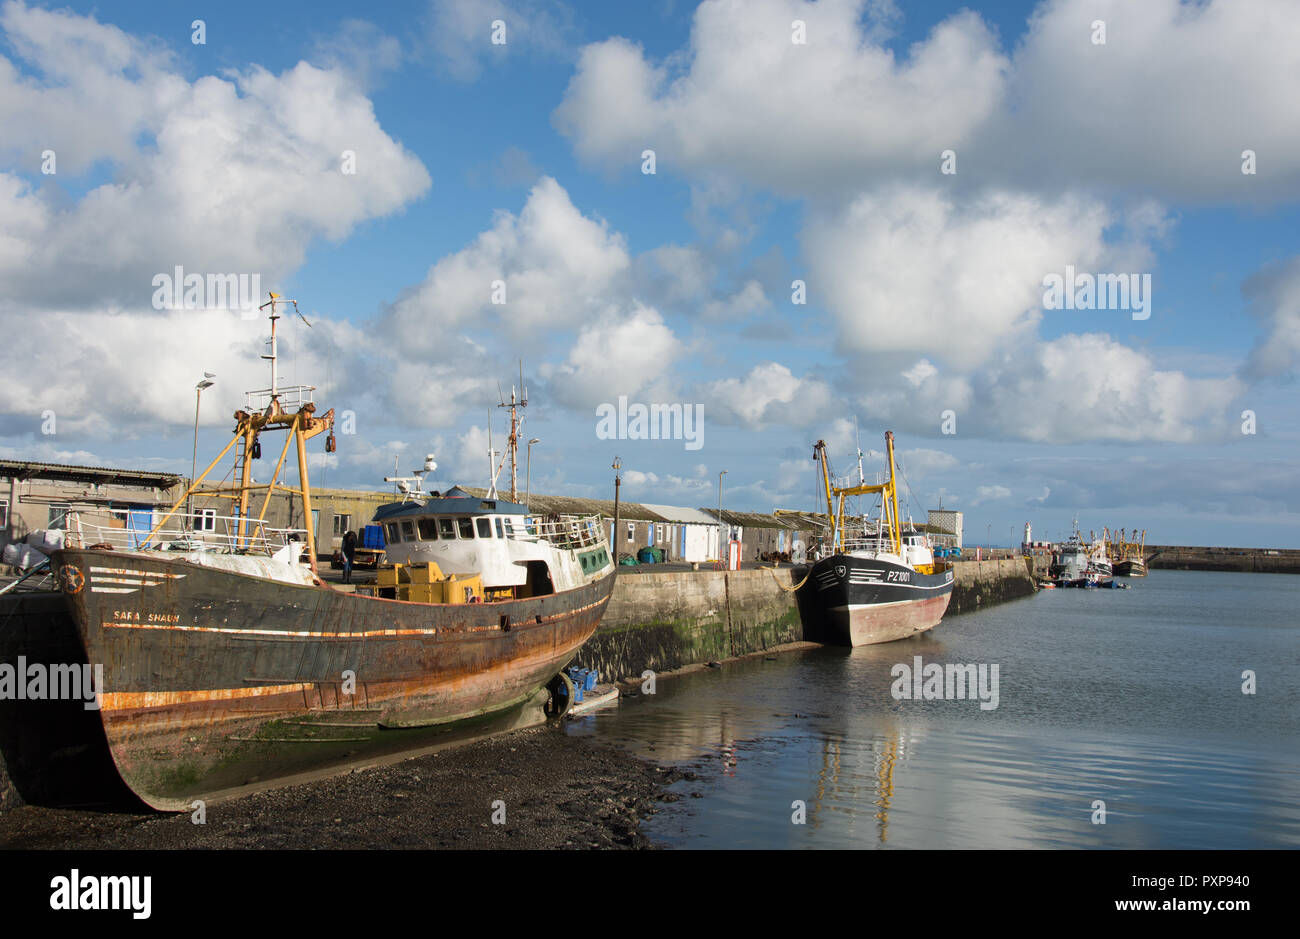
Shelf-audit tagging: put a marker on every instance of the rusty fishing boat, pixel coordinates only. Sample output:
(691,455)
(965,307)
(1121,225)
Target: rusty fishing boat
(229,663)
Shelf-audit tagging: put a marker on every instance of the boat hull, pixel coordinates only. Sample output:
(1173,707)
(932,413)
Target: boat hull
(215,681)
(1131,567)
(855,601)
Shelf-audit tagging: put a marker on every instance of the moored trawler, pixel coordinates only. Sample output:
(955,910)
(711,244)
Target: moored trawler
(228,661)
(875,586)
(1129,554)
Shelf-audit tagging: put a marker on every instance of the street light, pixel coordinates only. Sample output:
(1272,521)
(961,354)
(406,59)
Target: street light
(616,466)
(720,475)
(528,486)
(194,461)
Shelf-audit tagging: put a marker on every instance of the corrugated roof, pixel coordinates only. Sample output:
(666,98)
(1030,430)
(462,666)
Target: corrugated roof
(572,505)
(680,514)
(28,469)
(755,519)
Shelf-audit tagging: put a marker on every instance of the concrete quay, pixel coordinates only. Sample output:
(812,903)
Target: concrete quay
(668,620)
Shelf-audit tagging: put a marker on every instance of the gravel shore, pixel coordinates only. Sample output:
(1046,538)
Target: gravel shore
(555,790)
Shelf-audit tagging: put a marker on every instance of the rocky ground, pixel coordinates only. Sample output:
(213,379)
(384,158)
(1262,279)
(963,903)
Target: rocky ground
(559,791)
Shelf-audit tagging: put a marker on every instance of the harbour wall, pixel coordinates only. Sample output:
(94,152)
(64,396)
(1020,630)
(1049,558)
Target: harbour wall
(978,584)
(665,621)
(1252,560)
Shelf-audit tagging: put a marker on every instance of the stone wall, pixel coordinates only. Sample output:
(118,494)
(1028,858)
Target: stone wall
(666,621)
(978,584)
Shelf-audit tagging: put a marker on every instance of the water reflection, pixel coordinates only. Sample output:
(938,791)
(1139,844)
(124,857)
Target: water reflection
(1132,699)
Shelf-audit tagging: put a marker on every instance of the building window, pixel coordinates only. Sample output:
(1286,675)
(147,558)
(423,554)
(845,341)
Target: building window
(4,513)
(59,515)
(631,531)
(207,520)
(342,525)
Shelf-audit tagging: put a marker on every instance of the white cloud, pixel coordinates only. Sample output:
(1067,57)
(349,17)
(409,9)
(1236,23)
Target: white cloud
(620,354)
(218,175)
(769,393)
(122,373)
(910,270)
(748,301)
(1274,296)
(361,49)
(990,494)
(1074,388)
(831,111)
(558,266)
(1166,105)
(1061,111)
(460,32)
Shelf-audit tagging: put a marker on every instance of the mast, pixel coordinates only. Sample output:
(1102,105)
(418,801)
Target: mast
(516,421)
(265,410)
(888,493)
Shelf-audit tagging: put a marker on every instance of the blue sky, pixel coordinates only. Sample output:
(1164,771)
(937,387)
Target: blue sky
(776,160)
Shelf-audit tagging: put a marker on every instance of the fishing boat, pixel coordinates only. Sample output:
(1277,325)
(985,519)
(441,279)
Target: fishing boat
(228,661)
(877,585)
(1129,554)
(1080,563)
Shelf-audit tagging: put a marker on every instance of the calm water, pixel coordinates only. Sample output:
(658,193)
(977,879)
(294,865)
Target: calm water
(1129,696)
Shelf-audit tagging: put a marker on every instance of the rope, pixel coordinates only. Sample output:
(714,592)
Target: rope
(773,570)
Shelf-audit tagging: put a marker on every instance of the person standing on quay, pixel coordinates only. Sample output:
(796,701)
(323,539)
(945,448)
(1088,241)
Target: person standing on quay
(349,555)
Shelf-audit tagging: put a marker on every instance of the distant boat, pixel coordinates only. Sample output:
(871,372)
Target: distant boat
(1129,554)
(876,586)
(1079,563)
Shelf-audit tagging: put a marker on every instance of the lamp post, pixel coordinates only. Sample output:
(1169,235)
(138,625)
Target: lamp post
(528,485)
(194,461)
(720,475)
(616,466)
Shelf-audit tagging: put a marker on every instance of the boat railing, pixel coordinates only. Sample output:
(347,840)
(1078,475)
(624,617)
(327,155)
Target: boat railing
(566,531)
(870,543)
(225,534)
(292,397)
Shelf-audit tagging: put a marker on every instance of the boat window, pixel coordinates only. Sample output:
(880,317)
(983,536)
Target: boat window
(484,527)
(408,531)
(429,529)
(446,528)
(501,529)
(465,527)
(391,529)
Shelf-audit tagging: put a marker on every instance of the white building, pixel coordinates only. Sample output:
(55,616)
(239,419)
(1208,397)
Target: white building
(693,534)
(944,526)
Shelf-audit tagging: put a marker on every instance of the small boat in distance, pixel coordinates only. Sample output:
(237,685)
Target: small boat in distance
(229,663)
(871,586)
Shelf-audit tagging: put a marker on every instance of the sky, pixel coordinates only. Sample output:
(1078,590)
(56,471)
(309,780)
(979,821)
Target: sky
(797,221)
